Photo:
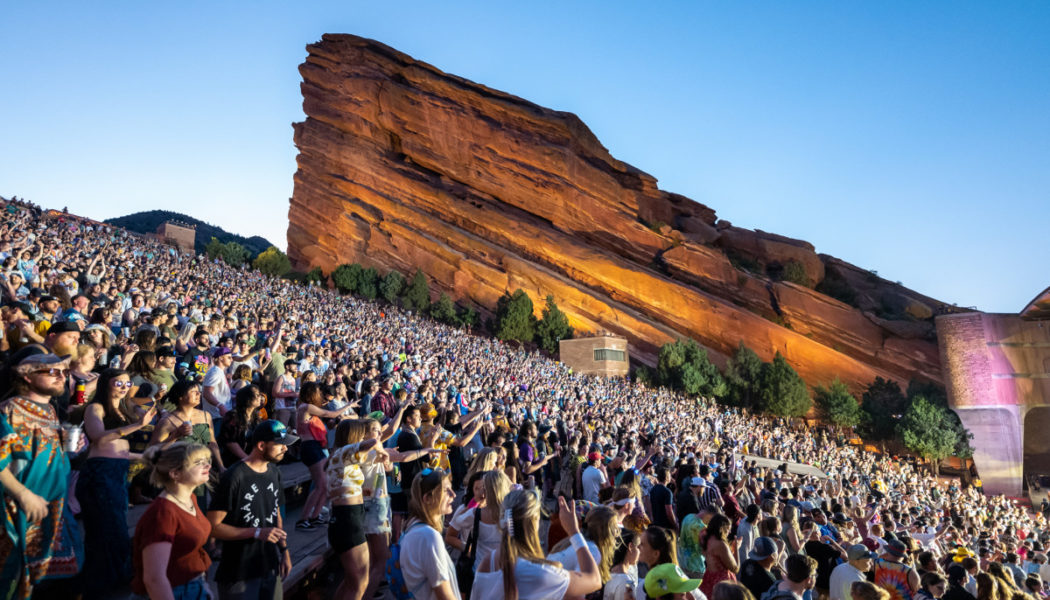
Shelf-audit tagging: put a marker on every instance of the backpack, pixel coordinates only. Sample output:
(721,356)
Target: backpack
(394,577)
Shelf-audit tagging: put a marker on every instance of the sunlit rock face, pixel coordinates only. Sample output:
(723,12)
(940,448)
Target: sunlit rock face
(402,166)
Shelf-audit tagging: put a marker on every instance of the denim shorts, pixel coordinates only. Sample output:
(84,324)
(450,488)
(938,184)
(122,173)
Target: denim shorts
(377,515)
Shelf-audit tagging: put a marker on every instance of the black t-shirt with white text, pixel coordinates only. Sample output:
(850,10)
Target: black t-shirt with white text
(251,500)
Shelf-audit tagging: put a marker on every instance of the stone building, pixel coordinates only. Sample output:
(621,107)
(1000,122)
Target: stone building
(603,354)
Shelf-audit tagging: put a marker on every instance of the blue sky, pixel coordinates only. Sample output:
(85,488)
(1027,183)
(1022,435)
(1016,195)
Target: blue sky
(910,138)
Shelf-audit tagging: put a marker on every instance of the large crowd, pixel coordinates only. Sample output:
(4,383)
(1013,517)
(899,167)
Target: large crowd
(443,464)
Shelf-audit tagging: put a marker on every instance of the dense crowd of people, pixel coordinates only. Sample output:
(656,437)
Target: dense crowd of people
(443,465)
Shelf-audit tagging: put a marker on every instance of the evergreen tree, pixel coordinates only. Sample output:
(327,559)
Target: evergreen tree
(417,295)
(553,327)
(314,276)
(837,405)
(368,286)
(392,285)
(514,317)
(272,262)
(443,310)
(781,391)
(928,431)
(684,365)
(467,317)
(230,253)
(883,404)
(347,278)
(742,375)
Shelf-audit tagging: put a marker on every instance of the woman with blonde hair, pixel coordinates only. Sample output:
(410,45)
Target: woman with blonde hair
(791,532)
(485,460)
(495,486)
(518,571)
(428,570)
(168,554)
(601,529)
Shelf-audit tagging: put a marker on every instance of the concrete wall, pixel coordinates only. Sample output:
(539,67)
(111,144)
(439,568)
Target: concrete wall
(996,370)
(579,354)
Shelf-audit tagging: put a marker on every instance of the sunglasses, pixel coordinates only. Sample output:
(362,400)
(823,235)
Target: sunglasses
(53,371)
(121,384)
(428,472)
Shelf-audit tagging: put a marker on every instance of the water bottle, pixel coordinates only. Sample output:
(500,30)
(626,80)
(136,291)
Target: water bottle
(79,395)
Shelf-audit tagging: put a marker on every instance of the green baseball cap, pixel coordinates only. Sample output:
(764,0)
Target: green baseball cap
(668,579)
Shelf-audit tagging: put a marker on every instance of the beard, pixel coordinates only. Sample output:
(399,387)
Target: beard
(275,453)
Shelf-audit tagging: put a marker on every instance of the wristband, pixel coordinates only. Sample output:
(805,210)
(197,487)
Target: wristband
(578,542)
(256,534)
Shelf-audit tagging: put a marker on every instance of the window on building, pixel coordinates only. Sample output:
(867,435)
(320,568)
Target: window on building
(609,354)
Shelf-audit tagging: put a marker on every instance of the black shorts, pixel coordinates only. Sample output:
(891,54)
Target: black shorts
(346,528)
(311,452)
(398,502)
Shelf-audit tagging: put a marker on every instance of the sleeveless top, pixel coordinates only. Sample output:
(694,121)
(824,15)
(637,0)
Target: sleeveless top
(893,577)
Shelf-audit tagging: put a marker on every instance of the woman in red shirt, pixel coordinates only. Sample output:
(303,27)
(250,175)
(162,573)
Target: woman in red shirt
(168,548)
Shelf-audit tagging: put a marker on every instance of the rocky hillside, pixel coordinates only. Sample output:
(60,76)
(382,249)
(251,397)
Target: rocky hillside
(404,166)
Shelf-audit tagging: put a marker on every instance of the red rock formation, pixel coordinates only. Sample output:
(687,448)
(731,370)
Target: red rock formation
(404,166)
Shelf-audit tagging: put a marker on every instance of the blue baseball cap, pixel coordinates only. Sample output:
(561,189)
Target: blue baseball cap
(272,431)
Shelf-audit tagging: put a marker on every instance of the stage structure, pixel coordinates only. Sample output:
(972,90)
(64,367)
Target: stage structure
(997,371)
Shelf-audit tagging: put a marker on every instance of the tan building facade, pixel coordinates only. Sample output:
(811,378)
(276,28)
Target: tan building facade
(179,235)
(597,355)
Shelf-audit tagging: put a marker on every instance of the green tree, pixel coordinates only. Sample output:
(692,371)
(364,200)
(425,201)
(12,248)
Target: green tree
(314,275)
(684,365)
(368,285)
(883,404)
(230,253)
(553,327)
(347,278)
(837,405)
(645,375)
(392,285)
(272,262)
(937,396)
(417,295)
(781,391)
(928,430)
(514,318)
(742,376)
(443,310)
(467,316)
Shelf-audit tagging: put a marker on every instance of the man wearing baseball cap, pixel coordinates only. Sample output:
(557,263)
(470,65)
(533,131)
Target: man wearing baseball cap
(892,575)
(245,513)
(842,577)
(755,573)
(594,477)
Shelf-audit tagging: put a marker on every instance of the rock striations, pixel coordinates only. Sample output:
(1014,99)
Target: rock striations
(403,166)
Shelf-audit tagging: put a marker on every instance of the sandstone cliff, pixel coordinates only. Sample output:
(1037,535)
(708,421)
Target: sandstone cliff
(404,166)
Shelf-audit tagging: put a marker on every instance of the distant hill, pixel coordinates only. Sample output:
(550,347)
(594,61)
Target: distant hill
(148,221)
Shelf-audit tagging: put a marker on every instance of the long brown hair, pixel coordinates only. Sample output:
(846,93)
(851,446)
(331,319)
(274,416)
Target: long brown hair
(600,527)
(351,431)
(422,500)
